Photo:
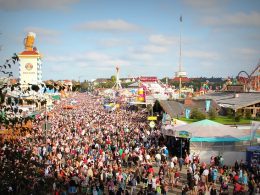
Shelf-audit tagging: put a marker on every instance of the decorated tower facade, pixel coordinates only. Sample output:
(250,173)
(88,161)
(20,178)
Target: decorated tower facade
(30,69)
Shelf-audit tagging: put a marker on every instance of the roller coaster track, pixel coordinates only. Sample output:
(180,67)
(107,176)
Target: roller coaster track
(253,80)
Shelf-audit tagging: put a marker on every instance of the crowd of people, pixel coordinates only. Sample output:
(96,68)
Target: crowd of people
(88,149)
(92,150)
(237,179)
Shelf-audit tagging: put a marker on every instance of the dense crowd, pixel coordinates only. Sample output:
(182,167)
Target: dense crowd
(92,150)
(85,149)
(237,179)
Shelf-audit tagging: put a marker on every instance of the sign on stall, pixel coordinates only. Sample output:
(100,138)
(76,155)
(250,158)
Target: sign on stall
(183,134)
(152,118)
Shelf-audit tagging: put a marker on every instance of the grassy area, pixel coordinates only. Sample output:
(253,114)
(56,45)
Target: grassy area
(188,120)
(231,121)
(222,120)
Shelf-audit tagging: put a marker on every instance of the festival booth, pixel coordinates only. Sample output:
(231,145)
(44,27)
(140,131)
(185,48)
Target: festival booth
(177,141)
(210,138)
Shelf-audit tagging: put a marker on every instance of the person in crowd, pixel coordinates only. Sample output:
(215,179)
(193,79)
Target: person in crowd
(181,161)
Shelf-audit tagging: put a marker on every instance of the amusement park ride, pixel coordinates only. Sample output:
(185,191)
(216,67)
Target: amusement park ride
(117,85)
(250,81)
(180,73)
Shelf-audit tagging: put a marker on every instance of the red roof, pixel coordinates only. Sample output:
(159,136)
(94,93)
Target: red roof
(29,53)
(67,81)
(148,79)
(183,79)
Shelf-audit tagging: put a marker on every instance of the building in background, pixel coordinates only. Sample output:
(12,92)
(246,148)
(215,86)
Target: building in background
(30,69)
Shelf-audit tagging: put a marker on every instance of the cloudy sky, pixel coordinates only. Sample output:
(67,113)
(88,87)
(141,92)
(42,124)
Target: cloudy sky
(87,39)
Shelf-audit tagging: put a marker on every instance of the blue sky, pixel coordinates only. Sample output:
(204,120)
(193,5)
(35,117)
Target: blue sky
(88,39)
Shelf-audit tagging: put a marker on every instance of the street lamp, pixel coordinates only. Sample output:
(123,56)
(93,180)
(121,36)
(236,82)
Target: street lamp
(79,83)
(46,121)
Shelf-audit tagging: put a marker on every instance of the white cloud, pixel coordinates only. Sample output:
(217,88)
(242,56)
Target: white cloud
(245,55)
(109,26)
(247,51)
(96,56)
(157,44)
(139,56)
(154,49)
(59,58)
(201,55)
(42,31)
(203,3)
(207,6)
(49,35)
(237,19)
(57,69)
(114,42)
(88,59)
(35,4)
(163,40)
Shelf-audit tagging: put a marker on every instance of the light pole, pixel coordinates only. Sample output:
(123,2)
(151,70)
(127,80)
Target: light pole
(181,147)
(80,83)
(152,108)
(46,121)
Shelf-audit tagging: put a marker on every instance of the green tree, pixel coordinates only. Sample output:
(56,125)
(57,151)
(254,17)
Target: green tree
(229,113)
(113,78)
(157,107)
(238,116)
(248,114)
(84,86)
(196,114)
(125,85)
(75,85)
(212,113)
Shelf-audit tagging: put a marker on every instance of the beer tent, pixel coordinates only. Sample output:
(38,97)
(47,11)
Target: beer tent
(209,138)
(210,131)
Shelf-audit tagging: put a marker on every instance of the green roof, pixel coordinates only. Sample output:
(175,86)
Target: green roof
(56,97)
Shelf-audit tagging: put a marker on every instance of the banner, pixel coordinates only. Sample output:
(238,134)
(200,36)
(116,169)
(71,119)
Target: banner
(254,127)
(187,113)
(164,118)
(152,118)
(183,134)
(207,105)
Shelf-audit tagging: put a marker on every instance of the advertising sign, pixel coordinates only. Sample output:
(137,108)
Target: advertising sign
(183,134)
(207,105)
(152,118)
(187,113)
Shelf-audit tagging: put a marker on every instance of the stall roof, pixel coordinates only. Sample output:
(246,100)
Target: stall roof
(172,108)
(210,131)
(135,84)
(232,100)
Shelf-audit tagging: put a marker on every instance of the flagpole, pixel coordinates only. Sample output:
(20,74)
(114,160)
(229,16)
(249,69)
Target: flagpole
(180,61)
(180,44)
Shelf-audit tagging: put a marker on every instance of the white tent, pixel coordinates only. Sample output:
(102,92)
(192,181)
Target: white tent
(210,131)
(170,130)
(177,122)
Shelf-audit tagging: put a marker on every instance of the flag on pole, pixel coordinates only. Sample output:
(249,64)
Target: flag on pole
(180,18)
